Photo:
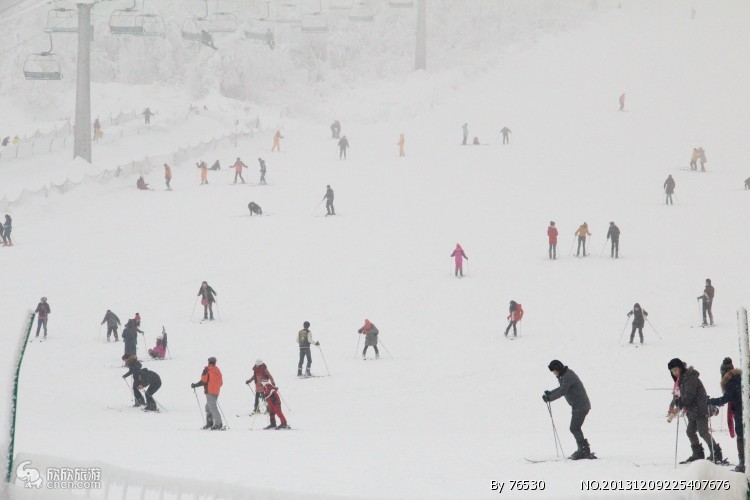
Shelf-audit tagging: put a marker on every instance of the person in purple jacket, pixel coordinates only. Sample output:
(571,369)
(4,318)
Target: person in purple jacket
(459,255)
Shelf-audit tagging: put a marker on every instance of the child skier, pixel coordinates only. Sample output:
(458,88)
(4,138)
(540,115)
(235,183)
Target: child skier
(273,400)
(260,375)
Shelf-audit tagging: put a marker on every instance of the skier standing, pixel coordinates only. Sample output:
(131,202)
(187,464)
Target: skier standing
(329,201)
(260,375)
(343,146)
(238,166)
(147,113)
(465,131)
(208,297)
(731,388)
(168,176)
(639,321)
(8,226)
(707,300)
(151,380)
(42,310)
(305,340)
(515,314)
(335,129)
(505,131)
(134,369)
(702,158)
(262,163)
(273,400)
(130,337)
(694,159)
(112,322)
(747,183)
(211,381)
(622,101)
(693,402)
(614,234)
(401,141)
(277,141)
(97,130)
(552,237)
(669,185)
(582,232)
(575,394)
(458,256)
(370,331)
(203,166)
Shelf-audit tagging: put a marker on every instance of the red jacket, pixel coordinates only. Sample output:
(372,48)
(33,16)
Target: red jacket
(271,393)
(516,315)
(261,373)
(552,233)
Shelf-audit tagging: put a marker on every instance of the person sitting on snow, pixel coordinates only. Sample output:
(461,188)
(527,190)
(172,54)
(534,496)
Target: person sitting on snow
(141,183)
(160,349)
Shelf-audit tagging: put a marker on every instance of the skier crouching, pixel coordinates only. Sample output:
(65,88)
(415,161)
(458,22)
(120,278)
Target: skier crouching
(273,400)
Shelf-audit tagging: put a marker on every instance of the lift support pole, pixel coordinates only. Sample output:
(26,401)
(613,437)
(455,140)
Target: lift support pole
(82,137)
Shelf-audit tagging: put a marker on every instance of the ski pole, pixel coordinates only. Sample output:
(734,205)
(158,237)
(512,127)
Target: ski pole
(283,401)
(223,417)
(711,433)
(324,359)
(700,312)
(159,404)
(554,433)
(200,410)
(652,326)
(605,246)
(316,207)
(218,313)
(571,246)
(100,333)
(193,313)
(676,440)
(132,394)
(386,349)
(623,329)
(358,341)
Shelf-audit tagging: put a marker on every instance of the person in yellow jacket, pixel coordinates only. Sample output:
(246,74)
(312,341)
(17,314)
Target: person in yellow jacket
(277,141)
(582,232)
(400,143)
(694,159)
(16,140)
(204,171)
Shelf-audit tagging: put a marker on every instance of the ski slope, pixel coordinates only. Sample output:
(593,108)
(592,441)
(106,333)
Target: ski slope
(456,406)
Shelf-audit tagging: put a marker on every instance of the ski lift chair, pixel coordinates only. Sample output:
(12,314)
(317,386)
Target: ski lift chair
(192,29)
(257,30)
(44,65)
(360,13)
(222,22)
(135,23)
(401,4)
(61,20)
(288,13)
(315,22)
(340,4)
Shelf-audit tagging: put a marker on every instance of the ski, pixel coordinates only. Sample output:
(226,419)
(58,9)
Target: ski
(543,461)
(310,376)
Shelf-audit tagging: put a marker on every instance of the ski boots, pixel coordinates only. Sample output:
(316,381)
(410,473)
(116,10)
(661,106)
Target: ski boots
(269,426)
(717,456)
(282,426)
(698,454)
(582,452)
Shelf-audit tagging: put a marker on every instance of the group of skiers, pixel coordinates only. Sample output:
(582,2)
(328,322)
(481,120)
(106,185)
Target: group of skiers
(505,132)
(581,234)
(698,155)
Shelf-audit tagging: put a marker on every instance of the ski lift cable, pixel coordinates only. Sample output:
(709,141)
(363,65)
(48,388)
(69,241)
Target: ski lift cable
(22,43)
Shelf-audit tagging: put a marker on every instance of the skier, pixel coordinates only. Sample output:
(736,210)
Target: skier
(458,256)
(160,349)
(203,166)
(260,376)
(370,332)
(16,140)
(277,141)
(669,185)
(304,339)
(614,233)
(147,114)
(465,130)
(42,310)
(747,183)
(97,130)
(401,141)
(112,322)
(130,337)
(515,314)
(207,39)
(134,368)
(505,131)
(141,184)
(208,297)
(329,201)
(254,208)
(150,379)
(694,159)
(552,237)
(8,227)
(702,158)
(475,142)
(238,166)
(622,101)
(582,232)
(273,400)
(707,300)
(639,321)
(270,40)
(575,394)
(211,381)
(692,401)
(343,146)
(262,163)
(137,319)
(168,176)
(6,140)
(731,388)
(335,129)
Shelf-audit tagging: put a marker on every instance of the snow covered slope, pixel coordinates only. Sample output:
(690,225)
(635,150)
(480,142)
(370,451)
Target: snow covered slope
(457,405)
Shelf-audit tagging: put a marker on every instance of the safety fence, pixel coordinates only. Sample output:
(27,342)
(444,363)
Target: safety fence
(139,167)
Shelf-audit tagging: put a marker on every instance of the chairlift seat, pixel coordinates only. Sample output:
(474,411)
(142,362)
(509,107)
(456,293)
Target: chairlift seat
(61,20)
(42,67)
(314,23)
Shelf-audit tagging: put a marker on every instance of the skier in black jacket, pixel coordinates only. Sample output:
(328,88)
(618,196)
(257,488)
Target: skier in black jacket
(639,321)
(112,322)
(149,379)
(575,394)
(731,386)
(134,369)
(707,302)
(208,297)
(614,234)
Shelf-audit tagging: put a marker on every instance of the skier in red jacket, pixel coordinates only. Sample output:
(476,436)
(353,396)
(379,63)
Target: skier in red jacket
(552,234)
(273,400)
(260,375)
(515,313)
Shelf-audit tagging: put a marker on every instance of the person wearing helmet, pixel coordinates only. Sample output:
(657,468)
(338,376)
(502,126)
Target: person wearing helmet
(42,311)
(305,340)
(260,374)
(211,381)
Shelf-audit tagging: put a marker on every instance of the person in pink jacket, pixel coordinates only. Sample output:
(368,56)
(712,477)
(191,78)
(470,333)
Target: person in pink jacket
(459,255)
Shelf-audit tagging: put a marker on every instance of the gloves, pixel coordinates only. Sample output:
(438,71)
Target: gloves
(247,382)
(317,343)
(125,376)
(545,398)
(193,385)
(713,410)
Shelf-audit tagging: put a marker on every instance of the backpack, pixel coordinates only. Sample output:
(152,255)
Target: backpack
(519,312)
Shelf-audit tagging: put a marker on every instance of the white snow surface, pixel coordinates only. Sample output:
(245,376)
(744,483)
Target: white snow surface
(456,406)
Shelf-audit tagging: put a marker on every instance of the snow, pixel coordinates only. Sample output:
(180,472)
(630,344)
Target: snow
(457,406)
